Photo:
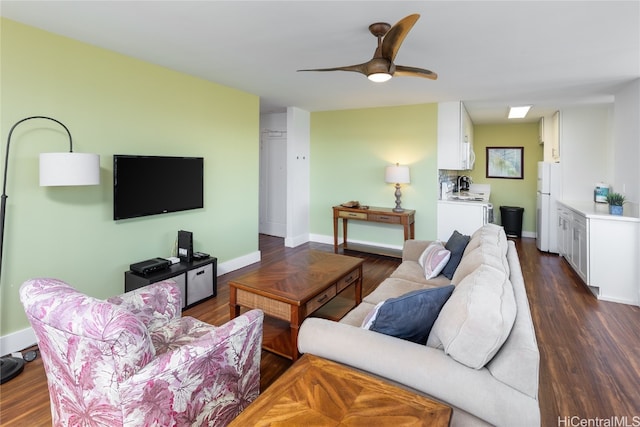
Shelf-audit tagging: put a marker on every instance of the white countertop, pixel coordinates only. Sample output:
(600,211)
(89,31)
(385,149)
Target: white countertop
(601,210)
(464,202)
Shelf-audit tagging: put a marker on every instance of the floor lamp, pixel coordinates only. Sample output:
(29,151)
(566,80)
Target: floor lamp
(56,169)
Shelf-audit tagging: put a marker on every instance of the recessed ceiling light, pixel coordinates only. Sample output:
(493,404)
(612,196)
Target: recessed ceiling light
(518,112)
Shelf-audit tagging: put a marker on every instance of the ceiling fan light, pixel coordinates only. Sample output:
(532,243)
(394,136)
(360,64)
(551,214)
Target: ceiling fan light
(379,77)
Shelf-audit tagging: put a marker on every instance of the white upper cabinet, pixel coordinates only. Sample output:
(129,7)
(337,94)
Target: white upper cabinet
(550,137)
(555,136)
(455,137)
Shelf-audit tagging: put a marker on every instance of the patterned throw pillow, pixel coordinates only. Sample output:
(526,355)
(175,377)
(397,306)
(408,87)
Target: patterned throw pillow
(433,259)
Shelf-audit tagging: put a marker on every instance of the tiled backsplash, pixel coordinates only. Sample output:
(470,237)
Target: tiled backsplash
(446,176)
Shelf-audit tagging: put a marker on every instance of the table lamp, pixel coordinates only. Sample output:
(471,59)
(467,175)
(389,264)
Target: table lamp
(397,175)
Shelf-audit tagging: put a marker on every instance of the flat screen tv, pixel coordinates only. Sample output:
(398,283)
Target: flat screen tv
(150,185)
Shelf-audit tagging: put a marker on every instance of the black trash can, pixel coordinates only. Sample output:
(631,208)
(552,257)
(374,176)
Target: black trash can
(511,217)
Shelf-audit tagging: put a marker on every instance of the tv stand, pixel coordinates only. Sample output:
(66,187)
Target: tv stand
(198,280)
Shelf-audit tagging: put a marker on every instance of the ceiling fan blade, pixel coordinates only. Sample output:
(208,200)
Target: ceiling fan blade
(358,68)
(395,36)
(414,72)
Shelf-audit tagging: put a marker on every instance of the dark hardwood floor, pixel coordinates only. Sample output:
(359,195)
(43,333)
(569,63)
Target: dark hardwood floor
(590,349)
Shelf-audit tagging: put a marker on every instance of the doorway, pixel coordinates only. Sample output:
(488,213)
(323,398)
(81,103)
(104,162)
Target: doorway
(273,183)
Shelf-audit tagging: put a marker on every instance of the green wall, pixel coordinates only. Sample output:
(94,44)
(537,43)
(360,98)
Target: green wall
(510,192)
(113,104)
(349,152)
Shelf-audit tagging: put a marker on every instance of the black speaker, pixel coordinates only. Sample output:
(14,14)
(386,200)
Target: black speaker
(185,246)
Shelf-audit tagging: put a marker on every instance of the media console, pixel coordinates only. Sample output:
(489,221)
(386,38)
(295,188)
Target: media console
(198,280)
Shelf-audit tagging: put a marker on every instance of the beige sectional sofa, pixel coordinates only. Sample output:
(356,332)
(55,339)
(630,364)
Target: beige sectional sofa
(481,356)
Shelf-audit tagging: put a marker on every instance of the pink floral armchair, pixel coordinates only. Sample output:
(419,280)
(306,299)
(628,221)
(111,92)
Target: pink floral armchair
(132,360)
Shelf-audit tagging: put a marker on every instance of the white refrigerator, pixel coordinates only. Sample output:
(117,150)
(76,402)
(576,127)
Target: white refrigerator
(549,191)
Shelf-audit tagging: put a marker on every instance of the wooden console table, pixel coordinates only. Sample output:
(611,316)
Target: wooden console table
(372,214)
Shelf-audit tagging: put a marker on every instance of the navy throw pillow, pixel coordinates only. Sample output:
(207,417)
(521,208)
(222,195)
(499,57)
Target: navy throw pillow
(411,316)
(456,245)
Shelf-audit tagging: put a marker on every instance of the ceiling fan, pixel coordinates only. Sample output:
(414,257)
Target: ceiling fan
(381,67)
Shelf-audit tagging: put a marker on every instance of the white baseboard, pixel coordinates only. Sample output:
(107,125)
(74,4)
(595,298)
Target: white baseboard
(17,341)
(292,242)
(320,238)
(618,300)
(238,263)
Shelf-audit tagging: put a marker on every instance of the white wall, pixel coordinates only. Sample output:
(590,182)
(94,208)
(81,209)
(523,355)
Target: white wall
(626,141)
(586,150)
(298,176)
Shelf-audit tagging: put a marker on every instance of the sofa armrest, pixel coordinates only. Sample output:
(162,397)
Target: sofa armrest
(155,305)
(423,368)
(412,249)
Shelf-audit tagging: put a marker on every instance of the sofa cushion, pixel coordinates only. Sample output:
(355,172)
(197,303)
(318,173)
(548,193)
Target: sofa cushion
(456,244)
(412,249)
(491,234)
(391,288)
(409,316)
(477,319)
(433,259)
(483,254)
(356,316)
(411,271)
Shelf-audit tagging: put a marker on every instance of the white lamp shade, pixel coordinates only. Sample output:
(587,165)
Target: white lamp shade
(397,174)
(59,169)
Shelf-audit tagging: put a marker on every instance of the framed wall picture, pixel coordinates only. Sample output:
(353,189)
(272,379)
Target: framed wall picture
(505,162)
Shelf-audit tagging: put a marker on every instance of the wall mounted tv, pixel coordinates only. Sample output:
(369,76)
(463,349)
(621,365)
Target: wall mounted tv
(150,185)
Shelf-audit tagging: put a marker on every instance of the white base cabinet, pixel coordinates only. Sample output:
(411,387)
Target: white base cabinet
(465,217)
(603,249)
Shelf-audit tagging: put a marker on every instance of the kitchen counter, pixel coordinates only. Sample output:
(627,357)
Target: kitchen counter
(463,201)
(601,210)
(603,249)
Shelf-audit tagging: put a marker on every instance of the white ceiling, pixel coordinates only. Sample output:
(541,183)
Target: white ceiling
(490,54)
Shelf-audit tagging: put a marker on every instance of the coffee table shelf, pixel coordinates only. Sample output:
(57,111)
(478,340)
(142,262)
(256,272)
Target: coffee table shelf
(277,337)
(338,307)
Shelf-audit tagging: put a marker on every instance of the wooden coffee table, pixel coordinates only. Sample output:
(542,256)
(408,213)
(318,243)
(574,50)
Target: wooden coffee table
(292,289)
(319,392)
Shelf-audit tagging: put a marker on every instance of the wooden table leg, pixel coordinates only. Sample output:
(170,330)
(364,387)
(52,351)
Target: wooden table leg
(335,233)
(234,309)
(358,296)
(344,232)
(295,327)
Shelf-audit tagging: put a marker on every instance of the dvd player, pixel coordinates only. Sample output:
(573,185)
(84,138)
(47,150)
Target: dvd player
(150,265)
